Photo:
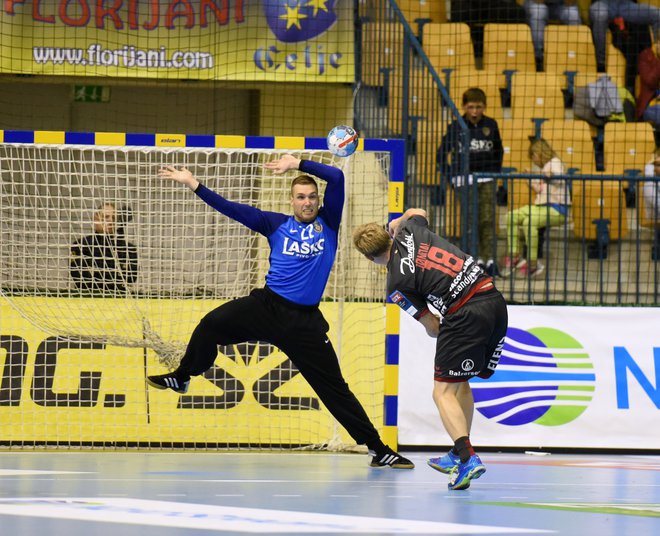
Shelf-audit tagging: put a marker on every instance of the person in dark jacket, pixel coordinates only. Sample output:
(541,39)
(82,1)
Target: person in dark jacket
(104,262)
(485,154)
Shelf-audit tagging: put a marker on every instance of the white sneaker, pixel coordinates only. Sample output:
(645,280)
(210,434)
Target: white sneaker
(538,273)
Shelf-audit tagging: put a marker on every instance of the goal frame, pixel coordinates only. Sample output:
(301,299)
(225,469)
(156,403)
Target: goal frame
(395,148)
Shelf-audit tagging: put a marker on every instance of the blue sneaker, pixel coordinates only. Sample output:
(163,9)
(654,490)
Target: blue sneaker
(445,463)
(464,472)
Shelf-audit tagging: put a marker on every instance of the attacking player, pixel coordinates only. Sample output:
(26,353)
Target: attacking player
(425,270)
(286,311)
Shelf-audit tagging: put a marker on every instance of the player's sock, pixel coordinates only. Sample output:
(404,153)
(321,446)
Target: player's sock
(463,448)
(376,445)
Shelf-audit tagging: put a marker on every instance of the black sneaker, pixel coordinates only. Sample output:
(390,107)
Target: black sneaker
(169,381)
(390,458)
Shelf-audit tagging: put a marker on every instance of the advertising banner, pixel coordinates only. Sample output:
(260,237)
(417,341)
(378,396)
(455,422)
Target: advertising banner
(274,40)
(63,390)
(569,377)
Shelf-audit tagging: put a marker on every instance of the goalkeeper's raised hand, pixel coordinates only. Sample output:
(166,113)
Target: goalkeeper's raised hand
(283,164)
(183,176)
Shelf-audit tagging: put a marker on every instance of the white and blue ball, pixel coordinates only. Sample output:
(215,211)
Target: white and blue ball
(342,140)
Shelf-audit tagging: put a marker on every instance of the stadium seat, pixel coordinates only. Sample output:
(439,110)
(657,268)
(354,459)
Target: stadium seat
(508,47)
(627,146)
(616,65)
(449,46)
(429,137)
(443,199)
(598,201)
(382,48)
(419,13)
(452,214)
(573,142)
(516,135)
(423,100)
(569,48)
(516,138)
(536,95)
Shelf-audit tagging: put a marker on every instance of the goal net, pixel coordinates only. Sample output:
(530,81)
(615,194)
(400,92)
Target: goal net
(78,337)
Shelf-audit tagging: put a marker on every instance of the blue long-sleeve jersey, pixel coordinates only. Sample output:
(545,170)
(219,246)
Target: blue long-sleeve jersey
(301,254)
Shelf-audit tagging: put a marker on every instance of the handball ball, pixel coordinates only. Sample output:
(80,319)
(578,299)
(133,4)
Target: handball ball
(342,140)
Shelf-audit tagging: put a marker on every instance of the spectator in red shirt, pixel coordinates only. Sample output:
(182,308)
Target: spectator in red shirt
(648,98)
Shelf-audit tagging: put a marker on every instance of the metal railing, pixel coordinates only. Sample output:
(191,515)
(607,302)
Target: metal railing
(605,252)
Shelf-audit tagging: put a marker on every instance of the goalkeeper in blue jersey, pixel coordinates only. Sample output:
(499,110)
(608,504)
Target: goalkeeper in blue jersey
(285,312)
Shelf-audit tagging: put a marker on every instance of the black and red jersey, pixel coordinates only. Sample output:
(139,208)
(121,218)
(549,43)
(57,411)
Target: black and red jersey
(424,268)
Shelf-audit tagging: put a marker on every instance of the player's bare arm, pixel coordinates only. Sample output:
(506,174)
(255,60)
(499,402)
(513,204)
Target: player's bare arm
(431,323)
(284,164)
(394,225)
(182,176)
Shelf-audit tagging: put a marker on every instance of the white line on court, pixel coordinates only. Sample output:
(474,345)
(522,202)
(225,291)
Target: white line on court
(226,518)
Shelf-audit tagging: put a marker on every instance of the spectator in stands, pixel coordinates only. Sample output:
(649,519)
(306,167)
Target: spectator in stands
(426,273)
(648,97)
(550,208)
(476,13)
(603,12)
(538,14)
(104,262)
(651,206)
(485,155)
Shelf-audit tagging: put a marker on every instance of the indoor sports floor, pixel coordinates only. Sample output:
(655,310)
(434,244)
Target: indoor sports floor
(196,493)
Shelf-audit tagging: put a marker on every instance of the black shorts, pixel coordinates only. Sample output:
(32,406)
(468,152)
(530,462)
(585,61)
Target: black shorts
(471,339)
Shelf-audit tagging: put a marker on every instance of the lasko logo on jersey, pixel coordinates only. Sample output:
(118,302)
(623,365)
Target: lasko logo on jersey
(293,21)
(544,377)
(293,247)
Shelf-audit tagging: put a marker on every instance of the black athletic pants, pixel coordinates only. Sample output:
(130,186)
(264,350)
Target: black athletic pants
(299,331)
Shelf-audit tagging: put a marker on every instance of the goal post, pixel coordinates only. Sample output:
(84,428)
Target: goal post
(73,357)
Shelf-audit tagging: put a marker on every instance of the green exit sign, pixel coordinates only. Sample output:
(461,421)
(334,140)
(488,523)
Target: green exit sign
(91,94)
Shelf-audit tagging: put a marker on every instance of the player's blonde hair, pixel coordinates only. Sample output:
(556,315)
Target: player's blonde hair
(371,239)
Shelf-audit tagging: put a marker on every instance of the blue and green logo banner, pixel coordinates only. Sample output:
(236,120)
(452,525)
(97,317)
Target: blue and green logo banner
(568,377)
(544,377)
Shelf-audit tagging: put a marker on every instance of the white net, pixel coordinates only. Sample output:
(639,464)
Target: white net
(79,338)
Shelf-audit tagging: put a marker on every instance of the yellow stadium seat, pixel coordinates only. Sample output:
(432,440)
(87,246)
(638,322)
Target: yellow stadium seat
(452,219)
(627,146)
(537,95)
(516,135)
(465,78)
(573,143)
(508,46)
(516,138)
(598,200)
(449,46)
(423,99)
(382,48)
(429,137)
(414,10)
(569,48)
(616,65)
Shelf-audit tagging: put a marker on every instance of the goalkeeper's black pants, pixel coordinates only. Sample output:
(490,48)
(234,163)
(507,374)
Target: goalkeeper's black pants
(300,331)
